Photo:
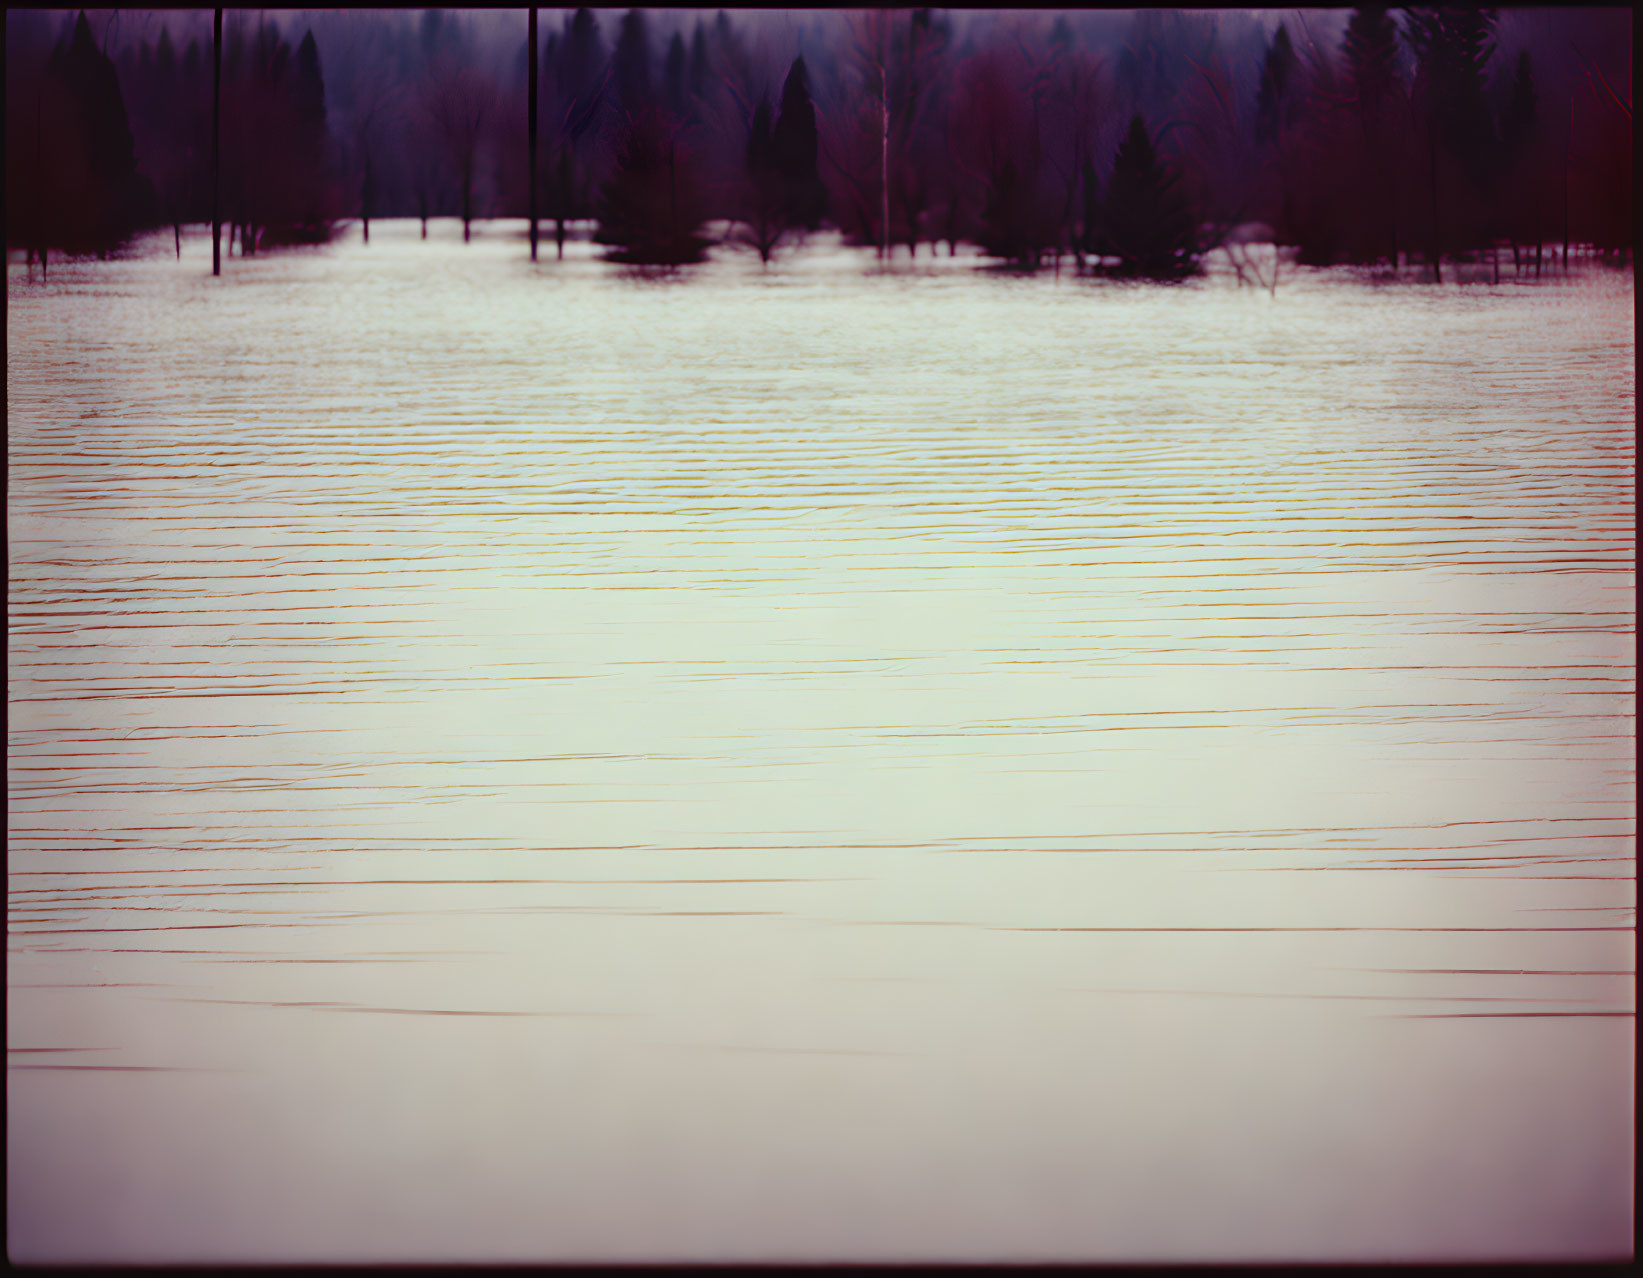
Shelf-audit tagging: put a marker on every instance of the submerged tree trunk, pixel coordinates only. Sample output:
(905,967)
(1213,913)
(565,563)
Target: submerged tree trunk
(365,193)
(177,234)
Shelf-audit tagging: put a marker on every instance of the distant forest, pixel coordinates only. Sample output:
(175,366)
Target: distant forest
(1129,142)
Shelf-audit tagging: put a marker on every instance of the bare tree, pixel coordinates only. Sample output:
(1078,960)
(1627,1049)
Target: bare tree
(377,99)
(369,102)
(456,101)
(849,141)
(869,53)
(997,143)
(1222,167)
(1074,101)
(918,76)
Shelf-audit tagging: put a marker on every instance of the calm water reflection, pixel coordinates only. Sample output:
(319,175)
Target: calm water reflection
(811,763)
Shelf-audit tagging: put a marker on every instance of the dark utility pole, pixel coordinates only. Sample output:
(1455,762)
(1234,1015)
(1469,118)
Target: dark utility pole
(1568,146)
(216,142)
(531,126)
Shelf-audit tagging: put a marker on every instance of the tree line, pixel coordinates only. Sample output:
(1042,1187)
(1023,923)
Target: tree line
(1130,143)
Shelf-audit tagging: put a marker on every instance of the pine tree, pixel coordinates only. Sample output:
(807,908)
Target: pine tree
(701,67)
(581,56)
(310,88)
(430,32)
(1089,228)
(650,212)
(631,63)
(761,213)
(1453,47)
(1012,223)
(1521,108)
(760,154)
(675,92)
(1370,51)
(576,63)
(1270,101)
(1145,220)
(100,197)
(795,147)
(310,161)
(1517,132)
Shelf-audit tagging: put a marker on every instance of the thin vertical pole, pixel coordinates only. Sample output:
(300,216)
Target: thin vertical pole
(216,142)
(39,184)
(531,124)
(884,153)
(1568,144)
(1437,237)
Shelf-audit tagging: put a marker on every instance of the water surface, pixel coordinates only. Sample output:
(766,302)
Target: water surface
(544,763)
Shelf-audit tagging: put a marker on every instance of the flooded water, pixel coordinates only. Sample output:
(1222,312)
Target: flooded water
(540,763)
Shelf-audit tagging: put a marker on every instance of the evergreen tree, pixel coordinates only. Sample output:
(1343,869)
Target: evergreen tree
(650,211)
(582,57)
(1089,227)
(1146,222)
(1517,136)
(309,162)
(675,89)
(998,144)
(631,63)
(576,65)
(161,98)
(165,58)
(1013,226)
(761,212)
(99,197)
(760,153)
(430,32)
(701,67)
(310,88)
(1370,55)
(1453,47)
(1518,121)
(795,147)
(1270,101)
(1370,51)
